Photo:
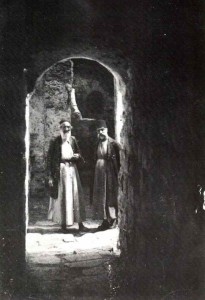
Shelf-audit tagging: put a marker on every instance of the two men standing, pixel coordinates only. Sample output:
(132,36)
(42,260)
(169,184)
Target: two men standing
(66,198)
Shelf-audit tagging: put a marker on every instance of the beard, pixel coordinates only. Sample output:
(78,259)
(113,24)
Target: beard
(65,135)
(102,137)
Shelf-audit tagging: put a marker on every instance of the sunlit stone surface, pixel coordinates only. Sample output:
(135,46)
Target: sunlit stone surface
(71,265)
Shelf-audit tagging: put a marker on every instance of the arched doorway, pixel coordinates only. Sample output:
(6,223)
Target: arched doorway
(99,94)
(75,265)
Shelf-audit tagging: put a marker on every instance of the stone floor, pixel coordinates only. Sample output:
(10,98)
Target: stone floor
(71,265)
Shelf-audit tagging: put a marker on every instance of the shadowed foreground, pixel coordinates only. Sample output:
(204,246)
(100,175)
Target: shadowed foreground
(71,265)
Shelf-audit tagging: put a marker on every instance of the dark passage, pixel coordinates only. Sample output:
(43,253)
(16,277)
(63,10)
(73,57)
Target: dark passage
(155,49)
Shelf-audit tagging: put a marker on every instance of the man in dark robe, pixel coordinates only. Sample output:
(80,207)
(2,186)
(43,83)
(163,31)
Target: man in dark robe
(105,186)
(66,201)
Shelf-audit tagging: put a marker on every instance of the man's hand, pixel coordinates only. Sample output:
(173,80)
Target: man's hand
(76,156)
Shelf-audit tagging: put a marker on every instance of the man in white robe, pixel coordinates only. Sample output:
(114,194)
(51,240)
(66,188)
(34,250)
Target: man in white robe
(66,201)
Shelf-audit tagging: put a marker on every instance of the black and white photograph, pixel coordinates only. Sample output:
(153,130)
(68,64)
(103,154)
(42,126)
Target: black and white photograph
(102,150)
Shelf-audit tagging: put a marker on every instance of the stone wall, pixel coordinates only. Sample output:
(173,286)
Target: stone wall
(48,105)
(94,91)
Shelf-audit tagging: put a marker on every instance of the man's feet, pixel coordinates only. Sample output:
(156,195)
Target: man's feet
(113,223)
(82,228)
(104,226)
(63,227)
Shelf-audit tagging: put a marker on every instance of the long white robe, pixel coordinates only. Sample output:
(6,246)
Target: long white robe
(65,210)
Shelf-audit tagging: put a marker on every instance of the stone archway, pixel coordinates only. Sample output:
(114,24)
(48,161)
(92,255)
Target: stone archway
(102,257)
(57,108)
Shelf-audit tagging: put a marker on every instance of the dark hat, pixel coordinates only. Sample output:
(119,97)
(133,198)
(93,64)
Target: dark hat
(101,124)
(64,120)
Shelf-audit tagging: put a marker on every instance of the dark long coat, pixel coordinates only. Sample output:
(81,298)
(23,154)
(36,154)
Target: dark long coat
(112,170)
(54,159)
